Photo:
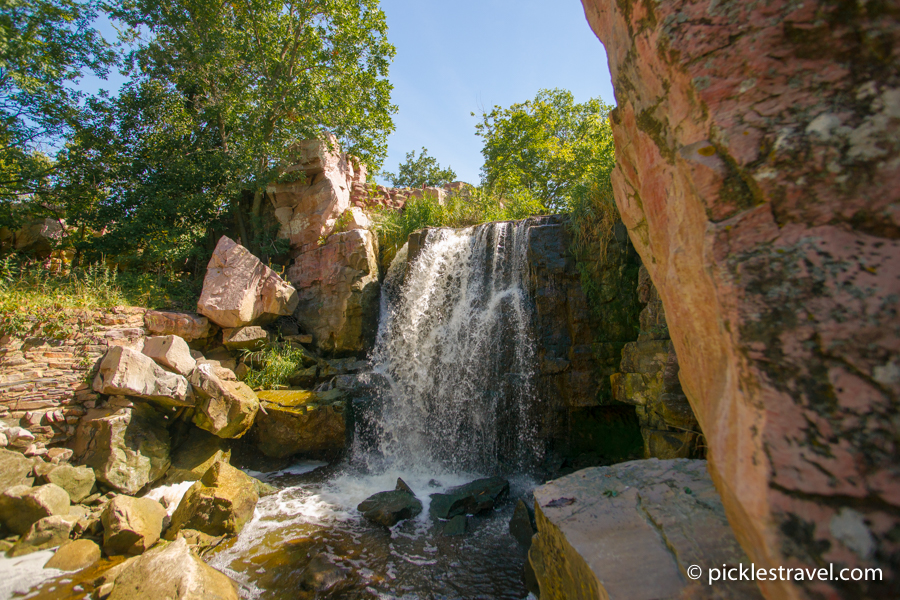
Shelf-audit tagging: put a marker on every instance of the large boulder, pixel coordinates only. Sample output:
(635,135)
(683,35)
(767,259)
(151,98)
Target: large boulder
(310,207)
(75,555)
(187,326)
(126,372)
(196,455)
(470,499)
(389,508)
(22,506)
(15,469)
(239,290)
(131,525)
(220,503)
(126,447)
(295,421)
(170,351)
(756,171)
(172,572)
(338,290)
(79,482)
(596,525)
(45,533)
(249,337)
(224,408)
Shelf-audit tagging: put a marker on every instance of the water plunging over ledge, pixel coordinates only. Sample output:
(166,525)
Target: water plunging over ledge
(453,374)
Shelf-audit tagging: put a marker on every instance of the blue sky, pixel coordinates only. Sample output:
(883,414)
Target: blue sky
(463,56)
(456,57)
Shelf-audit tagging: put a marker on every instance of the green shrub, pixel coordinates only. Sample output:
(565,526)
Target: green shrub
(274,366)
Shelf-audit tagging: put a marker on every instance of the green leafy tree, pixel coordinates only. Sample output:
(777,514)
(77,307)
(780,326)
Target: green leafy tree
(546,146)
(45,46)
(220,95)
(420,171)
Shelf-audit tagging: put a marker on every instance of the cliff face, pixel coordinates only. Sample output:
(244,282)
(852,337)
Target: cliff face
(759,177)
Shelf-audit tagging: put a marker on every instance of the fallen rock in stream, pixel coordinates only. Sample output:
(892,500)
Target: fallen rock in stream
(224,408)
(74,556)
(45,533)
(173,572)
(297,421)
(22,506)
(470,499)
(389,508)
(131,525)
(220,503)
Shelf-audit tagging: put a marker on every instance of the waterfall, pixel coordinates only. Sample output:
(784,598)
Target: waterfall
(455,353)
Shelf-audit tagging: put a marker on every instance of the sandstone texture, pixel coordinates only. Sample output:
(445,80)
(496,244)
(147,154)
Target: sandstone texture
(224,408)
(630,531)
(126,447)
(250,337)
(196,455)
(74,556)
(22,506)
(172,572)
(171,352)
(220,503)
(78,482)
(758,175)
(239,290)
(649,380)
(187,326)
(44,533)
(15,469)
(131,525)
(338,287)
(297,422)
(45,382)
(124,371)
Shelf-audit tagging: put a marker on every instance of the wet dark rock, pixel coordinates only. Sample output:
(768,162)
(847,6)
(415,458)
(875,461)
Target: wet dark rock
(389,508)
(322,575)
(456,526)
(520,526)
(469,499)
(401,485)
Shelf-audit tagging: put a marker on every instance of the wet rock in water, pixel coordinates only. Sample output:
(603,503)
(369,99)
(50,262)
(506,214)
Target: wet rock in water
(79,482)
(44,533)
(187,326)
(127,447)
(220,503)
(469,499)
(402,485)
(321,575)
(196,455)
(126,372)
(173,572)
(389,508)
(224,408)
(131,525)
(456,526)
(170,351)
(15,469)
(239,290)
(74,556)
(248,337)
(663,515)
(22,506)
(520,525)
(295,421)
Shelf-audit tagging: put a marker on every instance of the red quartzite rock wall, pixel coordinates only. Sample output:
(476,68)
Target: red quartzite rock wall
(758,150)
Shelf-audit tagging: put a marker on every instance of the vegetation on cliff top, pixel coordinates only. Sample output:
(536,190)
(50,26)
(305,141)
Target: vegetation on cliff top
(420,171)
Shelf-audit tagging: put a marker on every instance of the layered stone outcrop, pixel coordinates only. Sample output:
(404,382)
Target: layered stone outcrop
(649,380)
(631,531)
(239,290)
(300,422)
(759,177)
(337,284)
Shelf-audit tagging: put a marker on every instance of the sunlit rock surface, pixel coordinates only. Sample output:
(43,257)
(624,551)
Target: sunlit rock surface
(631,531)
(758,172)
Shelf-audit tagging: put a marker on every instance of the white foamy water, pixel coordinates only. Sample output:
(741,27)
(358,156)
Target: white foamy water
(20,574)
(456,350)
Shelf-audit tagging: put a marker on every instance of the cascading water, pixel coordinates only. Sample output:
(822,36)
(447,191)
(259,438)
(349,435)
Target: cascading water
(456,350)
(454,400)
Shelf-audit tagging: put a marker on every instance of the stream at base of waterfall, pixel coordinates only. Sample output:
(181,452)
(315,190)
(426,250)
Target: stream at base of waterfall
(453,400)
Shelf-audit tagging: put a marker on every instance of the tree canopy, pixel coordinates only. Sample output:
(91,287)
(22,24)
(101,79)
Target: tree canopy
(546,146)
(418,171)
(219,94)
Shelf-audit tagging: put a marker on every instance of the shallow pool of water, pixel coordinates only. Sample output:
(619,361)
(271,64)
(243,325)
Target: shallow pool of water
(308,541)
